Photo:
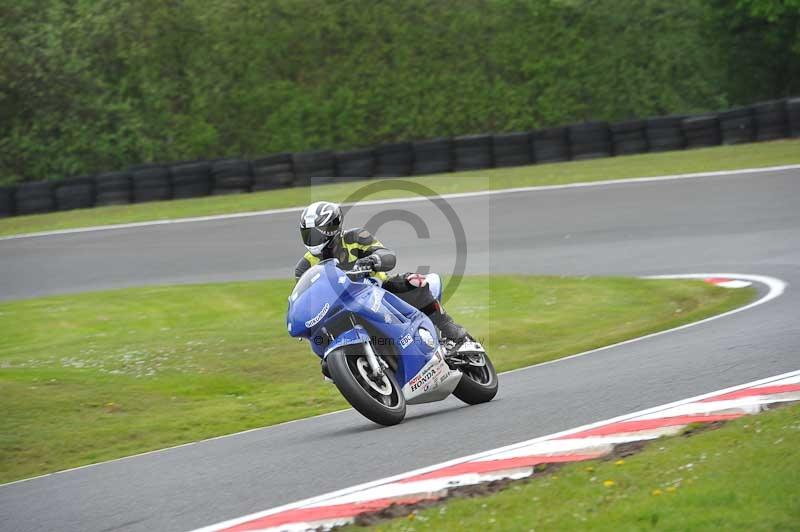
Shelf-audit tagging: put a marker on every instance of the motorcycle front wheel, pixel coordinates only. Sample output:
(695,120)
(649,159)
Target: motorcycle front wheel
(379,399)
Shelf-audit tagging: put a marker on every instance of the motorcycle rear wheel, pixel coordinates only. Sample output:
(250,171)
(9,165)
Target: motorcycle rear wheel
(478,384)
(379,400)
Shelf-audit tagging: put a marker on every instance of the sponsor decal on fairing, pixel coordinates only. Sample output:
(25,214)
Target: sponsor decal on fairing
(405,341)
(316,319)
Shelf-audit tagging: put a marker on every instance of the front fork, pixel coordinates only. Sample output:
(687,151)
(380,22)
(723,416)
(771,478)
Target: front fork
(372,360)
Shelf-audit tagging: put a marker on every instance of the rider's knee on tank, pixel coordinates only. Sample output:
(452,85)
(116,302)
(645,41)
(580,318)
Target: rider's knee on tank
(418,295)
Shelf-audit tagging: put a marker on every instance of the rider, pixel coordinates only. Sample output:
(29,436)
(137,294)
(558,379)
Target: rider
(322,234)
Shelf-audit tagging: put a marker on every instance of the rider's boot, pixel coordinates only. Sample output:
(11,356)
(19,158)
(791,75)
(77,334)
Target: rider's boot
(453,333)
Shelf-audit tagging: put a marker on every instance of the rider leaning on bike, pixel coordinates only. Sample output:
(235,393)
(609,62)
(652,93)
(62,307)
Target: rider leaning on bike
(322,234)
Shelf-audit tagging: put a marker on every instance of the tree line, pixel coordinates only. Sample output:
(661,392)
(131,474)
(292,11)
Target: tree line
(94,85)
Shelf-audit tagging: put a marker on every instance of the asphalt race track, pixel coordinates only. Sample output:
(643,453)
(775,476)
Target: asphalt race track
(746,223)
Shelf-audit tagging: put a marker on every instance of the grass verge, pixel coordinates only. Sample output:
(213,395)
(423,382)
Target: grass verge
(95,376)
(652,164)
(742,476)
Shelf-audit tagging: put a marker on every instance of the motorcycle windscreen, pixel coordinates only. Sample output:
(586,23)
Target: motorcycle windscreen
(317,293)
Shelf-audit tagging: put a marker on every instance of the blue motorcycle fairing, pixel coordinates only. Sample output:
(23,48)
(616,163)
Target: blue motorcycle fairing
(324,292)
(356,335)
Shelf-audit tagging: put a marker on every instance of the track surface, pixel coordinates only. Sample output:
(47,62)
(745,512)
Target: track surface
(742,223)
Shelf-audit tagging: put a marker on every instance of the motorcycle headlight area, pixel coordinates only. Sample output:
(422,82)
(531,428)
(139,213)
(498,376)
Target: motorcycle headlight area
(426,337)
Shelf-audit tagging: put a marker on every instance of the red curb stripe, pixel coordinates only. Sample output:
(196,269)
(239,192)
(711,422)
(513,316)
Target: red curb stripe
(717,280)
(320,513)
(752,392)
(489,466)
(647,424)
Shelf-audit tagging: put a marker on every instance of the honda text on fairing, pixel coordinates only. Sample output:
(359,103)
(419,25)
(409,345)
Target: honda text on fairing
(381,352)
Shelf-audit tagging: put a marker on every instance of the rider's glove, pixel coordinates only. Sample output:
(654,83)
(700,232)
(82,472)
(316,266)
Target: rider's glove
(372,262)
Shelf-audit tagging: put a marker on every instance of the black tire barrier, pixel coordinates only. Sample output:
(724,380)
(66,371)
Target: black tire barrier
(273,171)
(590,140)
(511,149)
(433,156)
(186,179)
(701,131)
(394,160)
(355,164)
(665,133)
(313,166)
(7,201)
(771,120)
(628,138)
(550,145)
(737,125)
(113,188)
(35,197)
(74,193)
(150,183)
(793,112)
(231,176)
(472,152)
(191,179)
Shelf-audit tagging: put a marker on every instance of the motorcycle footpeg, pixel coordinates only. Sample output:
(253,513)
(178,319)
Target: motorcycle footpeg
(466,353)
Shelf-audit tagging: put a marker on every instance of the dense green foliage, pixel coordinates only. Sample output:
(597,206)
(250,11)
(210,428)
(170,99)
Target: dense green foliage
(91,85)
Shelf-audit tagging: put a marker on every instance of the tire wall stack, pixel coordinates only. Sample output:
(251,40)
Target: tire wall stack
(7,201)
(434,156)
(191,179)
(355,164)
(273,171)
(590,140)
(394,160)
(763,121)
(113,188)
(629,138)
(664,133)
(737,125)
(313,167)
(472,152)
(550,145)
(701,131)
(150,182)
(75,193)
(511,149)
(793,115)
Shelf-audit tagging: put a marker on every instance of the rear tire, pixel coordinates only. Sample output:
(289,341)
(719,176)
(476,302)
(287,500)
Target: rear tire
(479,383)
(381,408)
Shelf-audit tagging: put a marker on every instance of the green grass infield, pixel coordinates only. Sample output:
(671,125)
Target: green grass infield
(95,376)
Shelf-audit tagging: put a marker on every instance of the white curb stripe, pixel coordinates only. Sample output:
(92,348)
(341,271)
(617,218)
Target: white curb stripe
(457,195)
(394,487)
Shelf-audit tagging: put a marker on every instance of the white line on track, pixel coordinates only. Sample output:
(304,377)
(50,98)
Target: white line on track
(775,287)
(457,195)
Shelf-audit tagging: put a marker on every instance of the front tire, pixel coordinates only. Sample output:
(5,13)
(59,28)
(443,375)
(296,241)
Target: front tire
(479,383)
(379,401)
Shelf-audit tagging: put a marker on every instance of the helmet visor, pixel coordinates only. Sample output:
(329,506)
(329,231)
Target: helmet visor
(313,236)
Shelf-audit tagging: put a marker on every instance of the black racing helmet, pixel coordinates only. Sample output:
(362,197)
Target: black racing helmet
(320,223)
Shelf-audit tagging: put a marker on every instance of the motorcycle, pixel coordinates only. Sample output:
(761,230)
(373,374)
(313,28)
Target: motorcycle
(381,352)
